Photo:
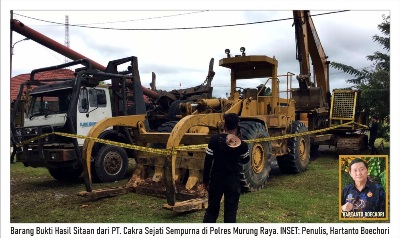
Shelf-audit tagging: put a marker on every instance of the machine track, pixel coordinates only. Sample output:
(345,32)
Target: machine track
(351,144)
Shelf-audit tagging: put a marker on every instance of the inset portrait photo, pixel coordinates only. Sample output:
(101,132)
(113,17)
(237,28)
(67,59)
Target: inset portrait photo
(363,187)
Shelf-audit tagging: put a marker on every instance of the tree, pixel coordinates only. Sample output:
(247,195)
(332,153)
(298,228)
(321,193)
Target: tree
(374,81)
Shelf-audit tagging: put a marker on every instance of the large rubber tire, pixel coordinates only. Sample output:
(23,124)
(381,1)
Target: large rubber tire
(255,173)
(298,156)
(110,164)
(66,174)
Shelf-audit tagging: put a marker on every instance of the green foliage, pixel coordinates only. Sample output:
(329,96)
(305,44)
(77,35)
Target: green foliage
(383,179)
(265,91)
(268,91)
(374,81)
(376,169)
(346,179)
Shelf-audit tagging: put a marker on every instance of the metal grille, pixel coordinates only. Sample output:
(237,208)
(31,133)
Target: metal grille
(343,105)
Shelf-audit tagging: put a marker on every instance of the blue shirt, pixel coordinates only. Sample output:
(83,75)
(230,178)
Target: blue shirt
(372,198)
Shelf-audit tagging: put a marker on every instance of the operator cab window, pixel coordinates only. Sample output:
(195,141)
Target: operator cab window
(83,105)
(97,98)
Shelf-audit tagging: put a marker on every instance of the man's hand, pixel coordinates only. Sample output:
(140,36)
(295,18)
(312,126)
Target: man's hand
(347,207)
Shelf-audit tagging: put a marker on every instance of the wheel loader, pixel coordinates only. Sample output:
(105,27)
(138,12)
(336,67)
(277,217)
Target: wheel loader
(169,163)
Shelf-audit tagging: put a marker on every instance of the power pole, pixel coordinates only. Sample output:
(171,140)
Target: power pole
(11,40)
(66,38)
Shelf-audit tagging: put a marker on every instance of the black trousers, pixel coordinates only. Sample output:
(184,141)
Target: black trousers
(372,145)
(230,188)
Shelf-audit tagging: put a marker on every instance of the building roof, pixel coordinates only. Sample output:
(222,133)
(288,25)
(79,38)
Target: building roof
(53,74)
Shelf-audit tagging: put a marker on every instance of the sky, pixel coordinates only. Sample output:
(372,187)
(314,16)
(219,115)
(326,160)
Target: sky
(181,57)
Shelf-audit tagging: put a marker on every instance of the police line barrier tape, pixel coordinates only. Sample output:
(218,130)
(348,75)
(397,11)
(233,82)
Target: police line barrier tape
(103,141)
(175,149)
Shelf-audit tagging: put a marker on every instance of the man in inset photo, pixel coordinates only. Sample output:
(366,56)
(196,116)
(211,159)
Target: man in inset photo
(363,198)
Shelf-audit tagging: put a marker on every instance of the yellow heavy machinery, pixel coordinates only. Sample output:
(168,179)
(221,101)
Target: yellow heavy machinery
(315,104)
(176,172)
(169,161)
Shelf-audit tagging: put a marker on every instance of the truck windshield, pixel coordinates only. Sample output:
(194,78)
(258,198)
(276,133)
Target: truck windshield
(54,102)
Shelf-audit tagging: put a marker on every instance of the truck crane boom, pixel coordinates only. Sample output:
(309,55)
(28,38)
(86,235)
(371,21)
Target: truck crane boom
(26,31)
(309,45)
(314,99)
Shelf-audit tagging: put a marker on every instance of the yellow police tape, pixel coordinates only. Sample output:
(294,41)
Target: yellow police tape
(188,147)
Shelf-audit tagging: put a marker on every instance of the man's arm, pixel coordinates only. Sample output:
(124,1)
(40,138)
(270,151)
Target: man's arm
(347,200)
(207,164)
(244,153)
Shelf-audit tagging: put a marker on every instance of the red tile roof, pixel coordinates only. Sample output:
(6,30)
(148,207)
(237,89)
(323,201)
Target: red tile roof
(53,74)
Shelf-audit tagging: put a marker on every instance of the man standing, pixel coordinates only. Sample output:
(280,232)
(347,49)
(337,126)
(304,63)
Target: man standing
(222,166)
(373,134)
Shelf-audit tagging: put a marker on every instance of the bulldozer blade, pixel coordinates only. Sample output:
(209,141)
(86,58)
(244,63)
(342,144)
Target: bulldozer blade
(106,192)
(188,205)
(152,189)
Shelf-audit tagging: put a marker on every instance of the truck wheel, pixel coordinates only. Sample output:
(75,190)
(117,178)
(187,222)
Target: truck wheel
(65,174)
(298,156)
(110,164)
(256,172)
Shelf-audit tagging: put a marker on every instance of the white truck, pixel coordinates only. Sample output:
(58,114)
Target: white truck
(74,106)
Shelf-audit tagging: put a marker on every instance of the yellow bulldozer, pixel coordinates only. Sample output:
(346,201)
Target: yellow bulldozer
(169,162)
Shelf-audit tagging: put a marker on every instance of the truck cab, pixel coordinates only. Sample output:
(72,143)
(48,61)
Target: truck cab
(50,105)
(59,113)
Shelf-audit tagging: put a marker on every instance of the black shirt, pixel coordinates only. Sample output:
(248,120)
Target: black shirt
(372,198)
(223,159)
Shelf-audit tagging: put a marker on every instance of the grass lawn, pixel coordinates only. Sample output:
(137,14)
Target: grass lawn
(310,197)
